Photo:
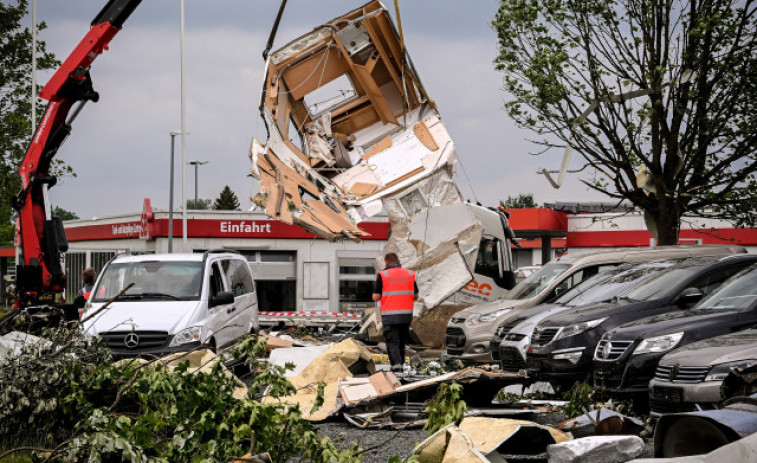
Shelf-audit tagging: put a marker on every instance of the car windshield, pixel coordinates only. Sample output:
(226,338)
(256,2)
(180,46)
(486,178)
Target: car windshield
(659,285)
(152,280)
(537,281)
(609,284)
(738,292)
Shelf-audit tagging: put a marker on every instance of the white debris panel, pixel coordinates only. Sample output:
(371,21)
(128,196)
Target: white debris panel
(352,132)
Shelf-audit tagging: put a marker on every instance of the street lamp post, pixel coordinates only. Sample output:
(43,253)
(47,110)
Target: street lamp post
(173,134)
(196,164)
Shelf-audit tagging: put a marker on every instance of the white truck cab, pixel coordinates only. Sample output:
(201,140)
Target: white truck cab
(177,302)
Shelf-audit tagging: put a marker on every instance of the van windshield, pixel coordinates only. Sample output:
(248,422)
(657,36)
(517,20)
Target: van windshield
(537,281)
(153,280)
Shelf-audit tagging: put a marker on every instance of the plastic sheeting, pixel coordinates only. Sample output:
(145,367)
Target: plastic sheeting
(434,234)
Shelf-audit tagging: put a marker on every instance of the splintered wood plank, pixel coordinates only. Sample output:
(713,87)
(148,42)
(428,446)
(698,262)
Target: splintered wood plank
(400,179)
(425,137)
(374,93)
(363,189)
(383,144)
(315,71)
(292,175)
(333,221)
(269,186)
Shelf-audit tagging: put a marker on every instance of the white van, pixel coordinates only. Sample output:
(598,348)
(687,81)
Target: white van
(178,302)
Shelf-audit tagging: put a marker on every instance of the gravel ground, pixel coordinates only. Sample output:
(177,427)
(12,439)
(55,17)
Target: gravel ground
(390,442)
(387,442)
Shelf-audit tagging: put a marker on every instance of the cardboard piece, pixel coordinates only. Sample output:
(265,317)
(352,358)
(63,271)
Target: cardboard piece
(355,390)
(340,361)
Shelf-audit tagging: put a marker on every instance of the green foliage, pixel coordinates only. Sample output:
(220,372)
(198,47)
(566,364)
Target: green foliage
(64,214)
(15,103)
(445,407)
(93,410)
(505,397)
(227,201)
(629,84)
(579,398)
(200,204)
(522,201)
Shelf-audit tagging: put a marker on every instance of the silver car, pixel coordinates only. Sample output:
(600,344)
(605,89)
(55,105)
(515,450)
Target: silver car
(690,378)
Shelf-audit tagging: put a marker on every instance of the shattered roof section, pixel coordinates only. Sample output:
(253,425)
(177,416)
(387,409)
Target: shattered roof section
(348,124)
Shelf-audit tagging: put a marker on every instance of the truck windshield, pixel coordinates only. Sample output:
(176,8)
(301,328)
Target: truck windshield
(537,281)
(153,280)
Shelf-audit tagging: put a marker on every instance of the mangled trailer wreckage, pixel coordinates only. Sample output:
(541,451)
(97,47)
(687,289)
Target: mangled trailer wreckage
(352,132)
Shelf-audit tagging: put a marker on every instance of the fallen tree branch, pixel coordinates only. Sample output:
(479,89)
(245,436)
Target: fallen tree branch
(22,449)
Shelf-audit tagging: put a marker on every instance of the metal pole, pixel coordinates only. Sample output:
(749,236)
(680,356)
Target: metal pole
(196,164)
(170,203)
(196,168)
(185,247)
(170,194)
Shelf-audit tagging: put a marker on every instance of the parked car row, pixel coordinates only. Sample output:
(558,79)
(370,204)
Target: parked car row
(614,328)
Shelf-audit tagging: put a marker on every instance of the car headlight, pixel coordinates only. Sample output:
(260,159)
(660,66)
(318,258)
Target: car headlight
(486,317)
(191,334)
(720,372)
(658,343)
(572,330)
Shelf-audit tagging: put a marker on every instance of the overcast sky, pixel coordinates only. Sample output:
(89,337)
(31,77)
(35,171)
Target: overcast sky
(120,146)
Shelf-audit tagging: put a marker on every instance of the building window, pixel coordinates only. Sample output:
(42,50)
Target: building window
(76,262)
(356,278)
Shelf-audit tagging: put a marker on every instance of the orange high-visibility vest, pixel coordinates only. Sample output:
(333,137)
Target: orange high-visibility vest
(397,291)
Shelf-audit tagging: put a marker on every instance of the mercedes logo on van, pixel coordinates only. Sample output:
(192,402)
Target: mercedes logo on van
(131,340)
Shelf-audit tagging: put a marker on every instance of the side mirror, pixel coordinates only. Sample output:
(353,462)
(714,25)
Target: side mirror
(689,297)
(222,298)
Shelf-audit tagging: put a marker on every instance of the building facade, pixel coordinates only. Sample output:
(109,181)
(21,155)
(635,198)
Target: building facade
(295,271)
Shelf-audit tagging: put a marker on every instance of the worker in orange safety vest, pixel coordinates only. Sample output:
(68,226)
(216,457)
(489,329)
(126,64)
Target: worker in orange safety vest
(396,290)
(89,276)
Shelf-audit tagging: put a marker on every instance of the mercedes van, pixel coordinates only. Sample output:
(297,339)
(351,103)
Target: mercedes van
(176,302)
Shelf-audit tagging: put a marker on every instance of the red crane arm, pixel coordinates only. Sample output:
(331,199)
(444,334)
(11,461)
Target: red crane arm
(40,275)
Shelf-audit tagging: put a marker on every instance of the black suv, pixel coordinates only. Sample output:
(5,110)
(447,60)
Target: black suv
(626,357)
(562,346)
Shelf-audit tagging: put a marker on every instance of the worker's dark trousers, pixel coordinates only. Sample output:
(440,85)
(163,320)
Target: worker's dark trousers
(396,336)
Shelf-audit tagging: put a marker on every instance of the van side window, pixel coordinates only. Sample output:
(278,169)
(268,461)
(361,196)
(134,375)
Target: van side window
(238,277)
(216,280)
